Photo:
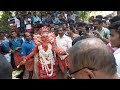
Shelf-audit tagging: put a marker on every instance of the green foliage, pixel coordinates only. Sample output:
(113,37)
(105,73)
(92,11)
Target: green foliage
(4,28)
(3,22)
(83,15)
(5,15)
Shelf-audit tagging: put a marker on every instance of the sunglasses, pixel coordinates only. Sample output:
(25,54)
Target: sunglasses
(70,73)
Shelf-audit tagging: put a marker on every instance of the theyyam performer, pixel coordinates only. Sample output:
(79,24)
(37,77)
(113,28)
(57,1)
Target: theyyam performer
(44,61)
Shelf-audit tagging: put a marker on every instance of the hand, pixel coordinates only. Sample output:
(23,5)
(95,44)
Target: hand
(11,51)
(90,34)
(97,34)
(18,48)
(22,63)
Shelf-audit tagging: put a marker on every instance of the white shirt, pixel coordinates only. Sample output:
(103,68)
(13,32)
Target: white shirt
(117,57)
(65,16)
(28,26)
(17,22)
(65,42)
(73,17)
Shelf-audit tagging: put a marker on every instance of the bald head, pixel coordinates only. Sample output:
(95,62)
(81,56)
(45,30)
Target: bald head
(27,36)
(92,53)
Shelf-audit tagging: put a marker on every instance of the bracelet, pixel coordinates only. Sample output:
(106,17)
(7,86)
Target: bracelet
(27,58)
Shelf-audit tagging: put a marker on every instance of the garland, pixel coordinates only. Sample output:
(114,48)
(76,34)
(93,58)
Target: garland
(46,58)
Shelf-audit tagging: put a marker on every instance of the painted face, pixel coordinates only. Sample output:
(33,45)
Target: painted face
(45,37)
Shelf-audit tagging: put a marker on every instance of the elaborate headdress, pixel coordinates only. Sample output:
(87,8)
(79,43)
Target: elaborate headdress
(37,38)
(43,29)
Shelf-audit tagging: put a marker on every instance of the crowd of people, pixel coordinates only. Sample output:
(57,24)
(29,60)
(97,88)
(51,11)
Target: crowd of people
(54,45)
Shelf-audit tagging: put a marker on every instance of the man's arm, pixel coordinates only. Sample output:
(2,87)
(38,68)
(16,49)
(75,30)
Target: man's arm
(35,49)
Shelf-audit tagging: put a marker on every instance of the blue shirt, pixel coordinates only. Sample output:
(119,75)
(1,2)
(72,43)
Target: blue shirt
(56,21)
(36,19)
(48,20)
(16,43)
(4,46)
(27,47)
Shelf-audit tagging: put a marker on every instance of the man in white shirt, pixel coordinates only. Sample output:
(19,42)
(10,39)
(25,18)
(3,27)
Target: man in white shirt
(115,41)
(36,18)
(65,43)
(17,21)
(73,17)
(28,24)
(62,40)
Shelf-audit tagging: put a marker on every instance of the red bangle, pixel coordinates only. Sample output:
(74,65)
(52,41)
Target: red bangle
(27,58)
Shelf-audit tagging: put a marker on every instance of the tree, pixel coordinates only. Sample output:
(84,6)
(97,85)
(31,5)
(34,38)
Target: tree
(83,15)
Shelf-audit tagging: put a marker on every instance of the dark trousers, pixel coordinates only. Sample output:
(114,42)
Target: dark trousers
(12,61)
(22,67)
(14,67)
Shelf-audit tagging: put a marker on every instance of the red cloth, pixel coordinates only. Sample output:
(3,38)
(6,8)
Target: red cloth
(63,64)
(43,75)
(17,58)
(29,65)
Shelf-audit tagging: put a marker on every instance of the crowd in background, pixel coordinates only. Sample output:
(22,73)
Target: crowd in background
(59,22)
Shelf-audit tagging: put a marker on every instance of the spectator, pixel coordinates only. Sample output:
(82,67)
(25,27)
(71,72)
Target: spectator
(36,18)
(81,28)
(29,15)
(28,24)
(63,42)
(114,19)
(17,22)
(99,17)
(5,68)
(105,23)
(5,48)
(91,59)
(27,47)
(55,20)
(67,32)
(15,45)
(43,17)
(48,20)
(64,25)
(101,32)
(11,19)
(73,16)
(22,24)
(62,19)
(73,33)
(78,39)
(56,30)
(115,41)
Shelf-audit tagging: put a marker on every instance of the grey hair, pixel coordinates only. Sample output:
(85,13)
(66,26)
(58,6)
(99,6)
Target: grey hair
(92,53)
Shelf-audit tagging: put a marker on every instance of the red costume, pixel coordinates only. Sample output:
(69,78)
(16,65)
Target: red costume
(44,61)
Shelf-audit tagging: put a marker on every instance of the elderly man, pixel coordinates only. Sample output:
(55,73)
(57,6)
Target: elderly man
(91,59)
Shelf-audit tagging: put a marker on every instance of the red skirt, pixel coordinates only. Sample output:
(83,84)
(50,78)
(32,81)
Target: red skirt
(29,65)
(62,64)
(17,58)
(43,75)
